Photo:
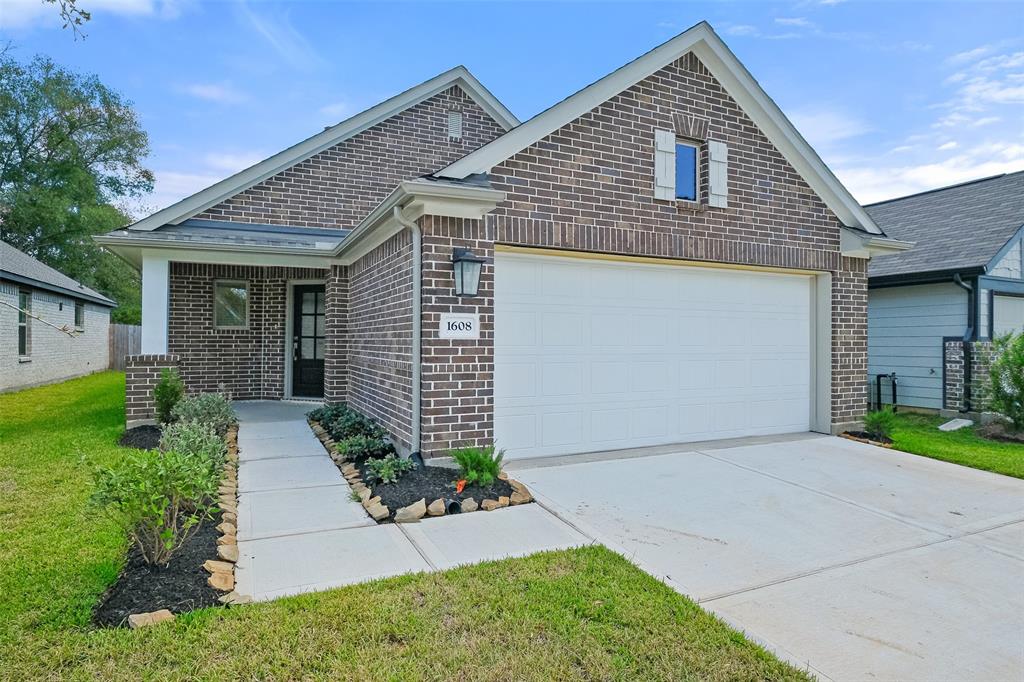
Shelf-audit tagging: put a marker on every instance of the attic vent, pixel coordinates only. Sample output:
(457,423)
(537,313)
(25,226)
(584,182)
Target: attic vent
(454,124)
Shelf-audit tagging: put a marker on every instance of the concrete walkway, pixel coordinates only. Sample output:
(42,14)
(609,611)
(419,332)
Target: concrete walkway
(299,531)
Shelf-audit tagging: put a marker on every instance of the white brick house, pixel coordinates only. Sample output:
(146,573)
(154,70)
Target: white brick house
(32,352)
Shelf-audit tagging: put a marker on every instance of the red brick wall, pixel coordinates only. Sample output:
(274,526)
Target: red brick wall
(248,362)
(142,372)
(339,186)
(457,374)
(379,336)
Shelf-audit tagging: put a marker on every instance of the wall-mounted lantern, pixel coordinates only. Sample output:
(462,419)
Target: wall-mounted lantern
(467,268)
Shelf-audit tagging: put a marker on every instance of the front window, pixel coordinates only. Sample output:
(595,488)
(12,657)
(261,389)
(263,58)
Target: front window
(231,305)
(686,171)
(24,326)
(79,315)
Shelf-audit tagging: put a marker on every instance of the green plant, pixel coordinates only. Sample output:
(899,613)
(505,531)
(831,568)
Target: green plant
(362,447)
(388,469)
(480,465)
(159,498)
(880,423)
(167,393)
(211,409)
(342,422)
(1007,379)
(197,440)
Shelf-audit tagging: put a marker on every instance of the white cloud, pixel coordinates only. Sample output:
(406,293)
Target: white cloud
(742,30)
(213,92)
(831,2)
(279,32)
(794,21)
(824,127)
(173,186)
(969,55)
(232,163)
(336,110)
(947,145)
(28,13)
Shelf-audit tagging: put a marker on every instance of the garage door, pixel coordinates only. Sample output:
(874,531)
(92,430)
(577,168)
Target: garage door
(599,355)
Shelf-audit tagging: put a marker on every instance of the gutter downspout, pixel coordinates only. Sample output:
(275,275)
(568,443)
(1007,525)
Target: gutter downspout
(417,324)
(968,336)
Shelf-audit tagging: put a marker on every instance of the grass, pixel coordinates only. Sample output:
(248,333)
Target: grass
(580,614)
(919,434)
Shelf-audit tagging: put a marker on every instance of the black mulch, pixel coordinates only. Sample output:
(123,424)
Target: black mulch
(142,437)
(430,483)
(180,586)
(869,436)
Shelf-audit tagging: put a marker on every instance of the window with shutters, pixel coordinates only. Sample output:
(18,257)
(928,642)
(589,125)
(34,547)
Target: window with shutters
(686,171)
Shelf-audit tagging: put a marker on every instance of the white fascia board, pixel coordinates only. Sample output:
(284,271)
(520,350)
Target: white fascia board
(416,198)
(737,81)
(218,192)
(134,250)
(856,244)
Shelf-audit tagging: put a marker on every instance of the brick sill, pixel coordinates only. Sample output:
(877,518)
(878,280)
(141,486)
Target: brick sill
(23,359)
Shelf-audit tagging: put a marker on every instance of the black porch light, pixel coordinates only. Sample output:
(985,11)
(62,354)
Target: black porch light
(467,268)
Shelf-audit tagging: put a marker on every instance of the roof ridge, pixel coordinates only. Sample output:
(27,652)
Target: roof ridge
(944,188)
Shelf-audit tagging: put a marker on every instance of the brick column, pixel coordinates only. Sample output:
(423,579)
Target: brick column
(457,374)
(336,361)
(142,372)
(849,342)
(953,377)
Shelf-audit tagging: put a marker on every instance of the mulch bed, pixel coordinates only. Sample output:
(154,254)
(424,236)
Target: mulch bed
(180,586)
(141,437)
(430,483)
(865,437)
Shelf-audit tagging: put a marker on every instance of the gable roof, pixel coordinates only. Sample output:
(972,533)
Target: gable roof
(19,267)
(960,227)
(214,194)
(734,77)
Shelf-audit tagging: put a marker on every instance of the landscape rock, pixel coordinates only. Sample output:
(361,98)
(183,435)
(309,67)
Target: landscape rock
(222,581)
(502,476)
(371,501)
(226,528)
(520,498)
(138,620)
(234,598)
(379,512)
(364,494)
(489,505)
(214,566)
(227,540)
(228,553)
(503,501)
(469,505)
(229,517)
(359,487)
(413,513)
(436,508)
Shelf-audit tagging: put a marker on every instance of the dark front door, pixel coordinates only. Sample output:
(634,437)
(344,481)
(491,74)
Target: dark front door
(309,326)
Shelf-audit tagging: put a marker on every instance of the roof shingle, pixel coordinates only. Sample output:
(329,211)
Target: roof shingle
(19,264)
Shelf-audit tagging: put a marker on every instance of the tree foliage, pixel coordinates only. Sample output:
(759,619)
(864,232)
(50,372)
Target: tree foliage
(1007,376)
(71,149)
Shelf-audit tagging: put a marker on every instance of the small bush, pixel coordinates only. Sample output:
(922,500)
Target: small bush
(479,465)
(197,440)
(327,414)
(880,423)
(167,393)
(342,422)
(388,469)
(1007,379)
(362,447)
(211,409)
(159,498)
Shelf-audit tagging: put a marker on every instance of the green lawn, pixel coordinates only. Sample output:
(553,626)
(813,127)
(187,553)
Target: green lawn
(581,614)
(920,435)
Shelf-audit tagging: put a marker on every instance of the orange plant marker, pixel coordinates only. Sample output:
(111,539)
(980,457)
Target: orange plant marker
(460,484)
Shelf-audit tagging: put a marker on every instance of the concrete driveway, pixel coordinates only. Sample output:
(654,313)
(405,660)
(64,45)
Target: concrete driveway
(855,561)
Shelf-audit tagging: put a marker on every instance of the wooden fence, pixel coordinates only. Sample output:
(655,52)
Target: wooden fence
(125,339)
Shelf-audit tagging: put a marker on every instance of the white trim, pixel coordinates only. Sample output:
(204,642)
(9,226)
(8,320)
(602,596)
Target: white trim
(289,333)
(821,353)
(214,194)
(665,181)
(155,303)
(737,81)
(860,245)
(131,250)
(718,174)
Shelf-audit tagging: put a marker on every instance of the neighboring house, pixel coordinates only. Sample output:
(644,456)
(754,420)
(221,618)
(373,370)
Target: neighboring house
(31,351)
(660,257)
(933,310)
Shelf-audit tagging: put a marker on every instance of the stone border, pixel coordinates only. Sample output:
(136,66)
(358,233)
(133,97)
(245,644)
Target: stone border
(417,510)
(850,436)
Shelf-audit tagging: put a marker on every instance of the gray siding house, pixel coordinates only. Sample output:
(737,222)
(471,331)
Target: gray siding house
(934,310)
(36,302)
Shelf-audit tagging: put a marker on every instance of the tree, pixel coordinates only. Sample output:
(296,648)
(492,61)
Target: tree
(1007,375)
(72,15)
(71,149)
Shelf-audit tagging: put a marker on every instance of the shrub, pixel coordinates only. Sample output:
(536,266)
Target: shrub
(167,393)
(159,498)
(479,465)
(197,440)
(327,414)
(211,409)
(342,422)
(1007,379)
(388,469)
(880,423)
(362,447)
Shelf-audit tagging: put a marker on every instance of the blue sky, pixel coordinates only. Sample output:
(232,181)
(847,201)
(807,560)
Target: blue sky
(896,98)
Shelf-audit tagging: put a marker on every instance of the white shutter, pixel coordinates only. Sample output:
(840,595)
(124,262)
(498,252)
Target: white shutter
(664,165)
(718,174)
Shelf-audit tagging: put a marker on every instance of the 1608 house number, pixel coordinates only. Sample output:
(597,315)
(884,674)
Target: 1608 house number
(459,326)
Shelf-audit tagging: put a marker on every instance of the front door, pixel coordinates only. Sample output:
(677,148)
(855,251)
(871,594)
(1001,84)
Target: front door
(309,328)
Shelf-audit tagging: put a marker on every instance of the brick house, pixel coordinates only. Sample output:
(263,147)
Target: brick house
(658,258)
(36,302)
(934,310)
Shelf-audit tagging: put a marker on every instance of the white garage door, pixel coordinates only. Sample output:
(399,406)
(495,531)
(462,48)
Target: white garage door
(599,355)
